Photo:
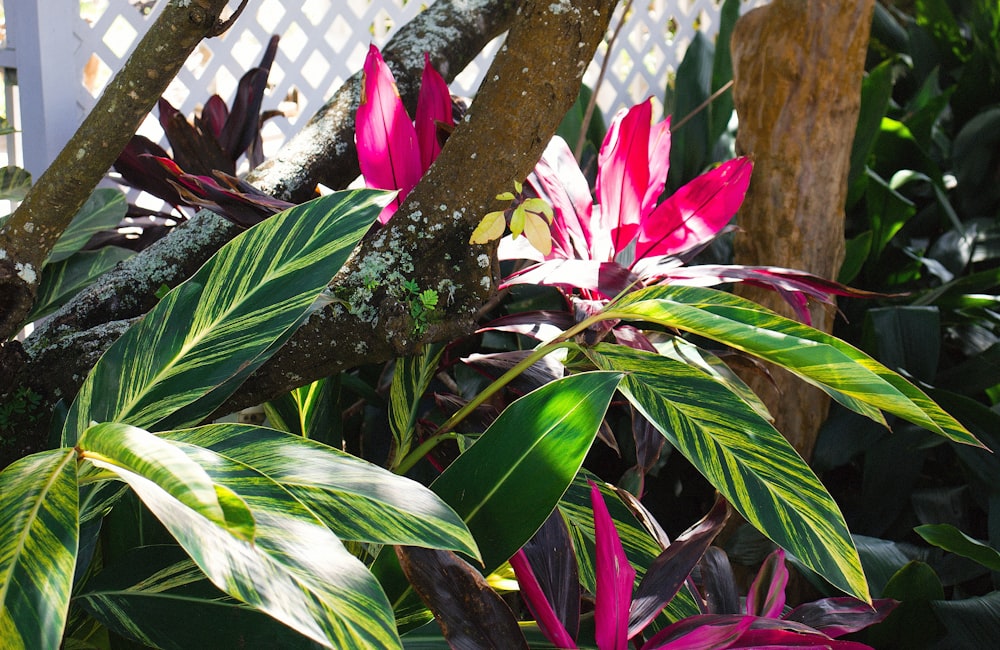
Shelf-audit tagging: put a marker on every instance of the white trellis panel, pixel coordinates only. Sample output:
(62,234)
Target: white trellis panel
(323,42)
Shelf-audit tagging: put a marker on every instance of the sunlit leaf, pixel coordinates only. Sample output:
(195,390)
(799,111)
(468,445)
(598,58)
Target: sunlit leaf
(39,536)
(744,457)
(199,343)
(357,500)
(490,228)
(848,375)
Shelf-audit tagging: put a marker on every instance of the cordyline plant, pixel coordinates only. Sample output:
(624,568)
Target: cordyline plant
(200,170)
(622,611)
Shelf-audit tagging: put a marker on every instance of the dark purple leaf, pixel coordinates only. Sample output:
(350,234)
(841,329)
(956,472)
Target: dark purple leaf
(139,169)
(243,124)
(671,568)
(718,584)
(537,375)
(839,616)
(470,613)
(633,338)
(552,560)
(766,597)
(213,116)
(775,634)
(538,604)
(195,151)
(648,442)
(645,517)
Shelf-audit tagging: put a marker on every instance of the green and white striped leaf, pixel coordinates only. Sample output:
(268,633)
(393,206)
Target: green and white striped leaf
(39,538)
(188,354)
(357,500)
(121,447)
(295,569)
(410,379)
(744,457)
(104,210)
(310,411)
(14,184)
(63,280)
(848,375)
(158,596)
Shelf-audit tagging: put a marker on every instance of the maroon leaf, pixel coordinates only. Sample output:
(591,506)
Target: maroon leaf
(606,278)
(139,169)
(195,151)
(470,613)
(551,557)
(537,375)
(541,325)
(774,633)
(213,116)
(839,616)
(671,568)
(718,584)
(242,125)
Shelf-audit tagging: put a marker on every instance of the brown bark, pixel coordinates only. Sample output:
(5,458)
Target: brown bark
(797,67)
(29,235)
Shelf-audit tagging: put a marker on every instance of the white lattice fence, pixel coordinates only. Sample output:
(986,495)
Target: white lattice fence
(323,42)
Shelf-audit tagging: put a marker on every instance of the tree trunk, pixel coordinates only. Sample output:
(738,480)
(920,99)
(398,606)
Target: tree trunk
(797,67)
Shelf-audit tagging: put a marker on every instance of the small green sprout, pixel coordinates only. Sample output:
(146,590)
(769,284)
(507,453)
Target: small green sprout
(422,303)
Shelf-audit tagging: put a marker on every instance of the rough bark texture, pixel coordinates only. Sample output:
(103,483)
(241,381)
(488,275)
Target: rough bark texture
(533,81)
(28,237)
(807,59)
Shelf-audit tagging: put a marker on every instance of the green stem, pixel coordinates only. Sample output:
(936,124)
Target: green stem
(445,431)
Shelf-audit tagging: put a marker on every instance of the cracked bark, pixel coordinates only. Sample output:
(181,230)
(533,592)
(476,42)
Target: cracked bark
(531,84)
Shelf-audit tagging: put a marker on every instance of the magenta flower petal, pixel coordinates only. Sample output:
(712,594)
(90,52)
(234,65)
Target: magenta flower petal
(541,609)
(388,153)
(695,212)
(623,176)
(615,578)
(433,106)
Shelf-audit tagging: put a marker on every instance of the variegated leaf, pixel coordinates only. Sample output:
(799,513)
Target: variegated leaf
(357,500)
(848,375)
(104,210)
(187,355)
(295,569)
(39,538)
(744,457)
(410,380)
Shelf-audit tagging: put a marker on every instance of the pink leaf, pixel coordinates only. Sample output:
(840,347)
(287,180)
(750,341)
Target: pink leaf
(606,278)
(557,179)
(623,176)
(388,153)
(615,577)
(433,106)
(659,164)
(541,609)
(695,212)
(766,597)
(700,632)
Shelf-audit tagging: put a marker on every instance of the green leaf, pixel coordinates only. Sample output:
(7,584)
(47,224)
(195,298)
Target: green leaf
(357,500)
(104,210)
(510,480)
(951,539)
(309,411)
(410,379)
(39,537)
(63,280)
(192,350)
(689,149)
(845,373)
(124,448)
(157,596)
(744,457)
(295,569)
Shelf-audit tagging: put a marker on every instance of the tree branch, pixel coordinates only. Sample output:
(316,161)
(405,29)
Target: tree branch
(28,237)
